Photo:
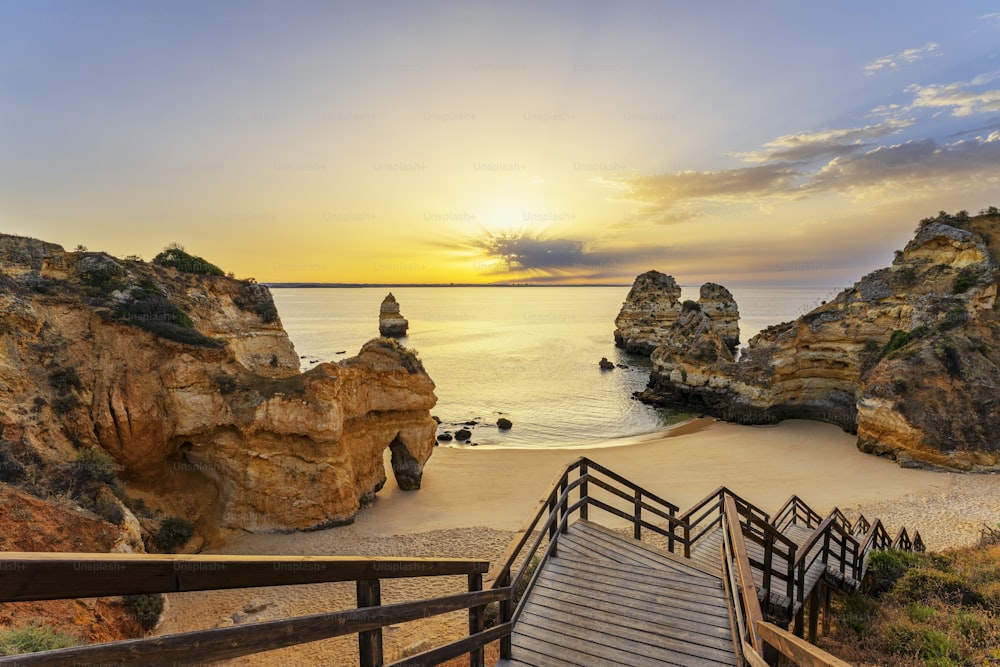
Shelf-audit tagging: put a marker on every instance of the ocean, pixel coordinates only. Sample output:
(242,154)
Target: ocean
(529,354)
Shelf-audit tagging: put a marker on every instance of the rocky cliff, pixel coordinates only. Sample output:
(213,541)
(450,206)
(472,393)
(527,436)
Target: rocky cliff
(908,358)
(186,378)
(653,306)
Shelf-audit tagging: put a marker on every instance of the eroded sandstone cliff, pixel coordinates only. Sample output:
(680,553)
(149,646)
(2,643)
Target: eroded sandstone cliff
(187,379)
(908,358)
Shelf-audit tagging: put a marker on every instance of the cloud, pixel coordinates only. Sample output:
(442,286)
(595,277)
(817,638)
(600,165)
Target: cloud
(993,18)
(960,96)
(807,146)
(663,191)
(908,56)
(913,163)
(523,255)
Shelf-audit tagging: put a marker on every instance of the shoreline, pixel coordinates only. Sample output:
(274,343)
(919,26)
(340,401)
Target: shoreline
(473,500)
(684,427)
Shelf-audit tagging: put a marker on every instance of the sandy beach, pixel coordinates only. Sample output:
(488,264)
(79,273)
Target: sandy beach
(473,499)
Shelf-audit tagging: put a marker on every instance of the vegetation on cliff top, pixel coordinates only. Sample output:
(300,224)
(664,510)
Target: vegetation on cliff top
(175,257)
(914,609)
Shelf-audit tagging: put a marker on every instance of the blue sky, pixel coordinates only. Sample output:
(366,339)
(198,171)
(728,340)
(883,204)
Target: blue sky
(480,142)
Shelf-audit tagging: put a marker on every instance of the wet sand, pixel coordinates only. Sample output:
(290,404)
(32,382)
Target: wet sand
(473,499)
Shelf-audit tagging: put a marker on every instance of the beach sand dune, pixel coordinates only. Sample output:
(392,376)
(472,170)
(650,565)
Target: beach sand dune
(473,499)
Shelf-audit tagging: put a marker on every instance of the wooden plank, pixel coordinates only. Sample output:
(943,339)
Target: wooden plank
(595,653)
(642,648)
(688,609)
(640,579)
(454,649)
(56,576)
(589,548)
(541,652)
(620,620)
(799,650)
(558,598)
(599,536)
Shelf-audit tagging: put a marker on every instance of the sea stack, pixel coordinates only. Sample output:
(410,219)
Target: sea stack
(390,321)
(651,308)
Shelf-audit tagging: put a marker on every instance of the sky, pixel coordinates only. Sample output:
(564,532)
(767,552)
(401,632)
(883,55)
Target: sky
(545,141)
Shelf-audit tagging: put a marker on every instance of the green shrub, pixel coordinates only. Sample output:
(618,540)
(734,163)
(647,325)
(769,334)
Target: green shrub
(173,533)
(407,356)
(146,609)
(897,340)
(175,257)
(691,306)
(885,568)
(256,299)
(857,612)
(918,585)
(33,638)
(962,284)
(149,308)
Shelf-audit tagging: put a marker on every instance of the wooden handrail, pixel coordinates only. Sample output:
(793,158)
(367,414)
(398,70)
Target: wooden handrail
(56,576)
(233,642)
(799,650)
(746,589)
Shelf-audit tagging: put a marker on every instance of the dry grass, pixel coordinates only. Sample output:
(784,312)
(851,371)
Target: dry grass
(939,610)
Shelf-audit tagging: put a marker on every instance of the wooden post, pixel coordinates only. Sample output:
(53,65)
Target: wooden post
(553,528)
(687,539)
(826,610)
(370,641)
(670,538)
(813,614)
(637,522)
(584,493)
(506,610)
(562,508)
(477,655)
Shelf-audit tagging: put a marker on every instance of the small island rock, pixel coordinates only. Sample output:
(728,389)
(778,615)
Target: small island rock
(605,364)
(504,424)
(390,321)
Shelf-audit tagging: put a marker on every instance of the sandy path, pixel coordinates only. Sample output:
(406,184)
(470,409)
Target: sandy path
(473,498)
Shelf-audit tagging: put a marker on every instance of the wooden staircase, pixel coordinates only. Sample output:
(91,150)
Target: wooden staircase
(719,584)
(612,600)
(721,587)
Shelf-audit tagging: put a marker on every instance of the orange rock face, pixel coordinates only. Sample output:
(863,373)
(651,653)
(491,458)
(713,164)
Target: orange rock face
(176,373)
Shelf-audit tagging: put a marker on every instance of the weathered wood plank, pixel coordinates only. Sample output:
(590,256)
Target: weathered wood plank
(643,580)
(591,653)
(646,646)
(542,652)
(557,598)
(686,608)
(55,576)
(606,541)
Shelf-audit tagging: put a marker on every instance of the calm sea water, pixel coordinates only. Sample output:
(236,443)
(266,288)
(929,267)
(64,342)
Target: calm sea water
(526,353)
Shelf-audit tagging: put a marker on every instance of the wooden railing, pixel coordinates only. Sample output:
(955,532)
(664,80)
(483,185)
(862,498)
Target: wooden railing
(51,576)
(581,485)
(707,515)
